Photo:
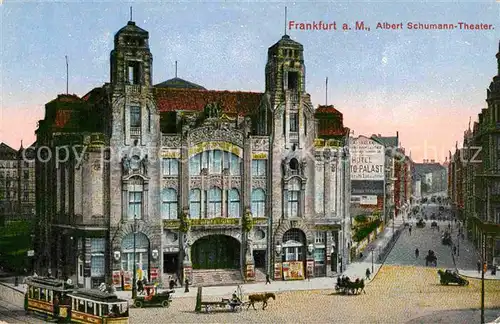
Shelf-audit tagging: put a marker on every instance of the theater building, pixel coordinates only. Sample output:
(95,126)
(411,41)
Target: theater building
(213,186)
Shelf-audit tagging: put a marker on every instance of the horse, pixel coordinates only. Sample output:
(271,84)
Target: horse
(256,298)
(358,286)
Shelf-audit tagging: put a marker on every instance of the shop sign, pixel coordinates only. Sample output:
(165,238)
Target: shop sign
(277,271)
(310,268)
(86,271)
(154,274)
(214,221)
(171,223)
(259,156)
(293,270)
(223,146)
(127,280)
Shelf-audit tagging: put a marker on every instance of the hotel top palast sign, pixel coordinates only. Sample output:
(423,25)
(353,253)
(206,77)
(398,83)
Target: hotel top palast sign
(367,159)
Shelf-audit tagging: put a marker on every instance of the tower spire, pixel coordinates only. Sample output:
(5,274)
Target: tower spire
(67,75)
(285,19)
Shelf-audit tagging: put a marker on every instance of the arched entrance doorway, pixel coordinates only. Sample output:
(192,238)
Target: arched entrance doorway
(294,254)
(216,252)
(141,249)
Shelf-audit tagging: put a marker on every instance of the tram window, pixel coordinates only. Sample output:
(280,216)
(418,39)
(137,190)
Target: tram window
(30,292)
(90,308)
(105,309)
(81,306)
(36,293)
(49,295)
(42,294)
(98,309)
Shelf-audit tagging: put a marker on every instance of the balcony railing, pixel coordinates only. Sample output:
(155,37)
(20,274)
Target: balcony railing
(135,131)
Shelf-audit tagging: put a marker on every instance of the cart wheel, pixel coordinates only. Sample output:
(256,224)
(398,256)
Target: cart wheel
(138,304)
(165,303)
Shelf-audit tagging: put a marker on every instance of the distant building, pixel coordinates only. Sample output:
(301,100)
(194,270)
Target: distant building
(17,183)
(433,175)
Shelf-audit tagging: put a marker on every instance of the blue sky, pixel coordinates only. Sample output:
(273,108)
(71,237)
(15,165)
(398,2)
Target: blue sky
(425,84)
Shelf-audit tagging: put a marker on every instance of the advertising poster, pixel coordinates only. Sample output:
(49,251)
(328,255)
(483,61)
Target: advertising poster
(117,278)
(127,280)
(310,268)
(293,270)
(250,273)
(154,274)
(277,271)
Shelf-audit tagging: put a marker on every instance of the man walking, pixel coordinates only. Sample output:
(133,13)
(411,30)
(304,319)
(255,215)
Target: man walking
(368,273)
(417,252)
(268,279)
(409,230)
(478,266)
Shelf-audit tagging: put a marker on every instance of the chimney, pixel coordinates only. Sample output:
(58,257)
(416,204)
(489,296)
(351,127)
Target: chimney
(432,161)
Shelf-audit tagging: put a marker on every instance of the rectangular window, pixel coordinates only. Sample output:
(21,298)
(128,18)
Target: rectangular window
(293,204)
(195,203)
(133,73)
(135,116)
(170,167)
(135,205)
(169,204)
(233,203)
(26,174)
(25,196)
(195,165)
(216,165)
(235,165)
(259,168)
(97,250)
(214,203)
(294,122)
(319,237)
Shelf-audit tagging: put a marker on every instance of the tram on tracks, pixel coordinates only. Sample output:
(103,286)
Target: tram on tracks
(59,301)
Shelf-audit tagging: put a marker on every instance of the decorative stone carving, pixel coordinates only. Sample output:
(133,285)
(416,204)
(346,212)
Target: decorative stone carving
(187,249)
(327,153)
(195,183)
(171,182)
(171,141)
(213,110)
(260,144)
(125,165)
(259,183)
(285,166)
(215,181)
(205,134)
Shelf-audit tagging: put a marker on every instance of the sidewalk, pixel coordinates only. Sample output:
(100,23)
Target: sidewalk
(354,270)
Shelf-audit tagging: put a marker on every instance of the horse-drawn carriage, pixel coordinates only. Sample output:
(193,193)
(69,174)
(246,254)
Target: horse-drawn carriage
(153,298)
(420,223)
(431,259)
(235,303)
(346,286)
(450,276)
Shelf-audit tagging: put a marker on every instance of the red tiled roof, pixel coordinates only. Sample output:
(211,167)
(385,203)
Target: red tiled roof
(332,131)
(328,109)
(241,103)
(62,118)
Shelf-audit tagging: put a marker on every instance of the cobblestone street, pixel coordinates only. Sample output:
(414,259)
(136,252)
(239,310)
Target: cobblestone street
(397,295)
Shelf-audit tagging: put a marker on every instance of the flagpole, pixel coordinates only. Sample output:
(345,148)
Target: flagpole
(67,75)
(326,92)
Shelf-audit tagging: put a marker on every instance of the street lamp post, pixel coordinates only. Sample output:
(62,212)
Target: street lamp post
(134,278)
(483,258)
(373,251)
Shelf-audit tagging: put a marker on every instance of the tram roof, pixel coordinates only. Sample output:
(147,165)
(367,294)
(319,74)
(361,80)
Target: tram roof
(49,283)
(97,295)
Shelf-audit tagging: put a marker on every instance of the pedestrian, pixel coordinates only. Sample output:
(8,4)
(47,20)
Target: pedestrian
(409,230)
(454,249)
(171,283)
(368,273)
(417,252)
(140,287)
(268,279)
(186,287)
(478,266)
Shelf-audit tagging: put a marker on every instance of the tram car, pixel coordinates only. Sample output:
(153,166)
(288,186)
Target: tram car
(59,301)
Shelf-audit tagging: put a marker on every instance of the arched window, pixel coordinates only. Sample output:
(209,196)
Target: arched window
(195,203)
(233,202)
(258,203)
(214,203)
(135,195)
(169,204)
(141,250)
(293,198)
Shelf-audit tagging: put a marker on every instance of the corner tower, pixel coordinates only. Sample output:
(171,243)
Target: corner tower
(285,69)
(131,60)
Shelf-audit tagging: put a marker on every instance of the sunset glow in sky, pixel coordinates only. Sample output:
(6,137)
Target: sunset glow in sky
(424,84)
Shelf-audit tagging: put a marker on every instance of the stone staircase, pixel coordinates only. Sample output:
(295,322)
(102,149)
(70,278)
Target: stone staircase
(260,275)
(217,277)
